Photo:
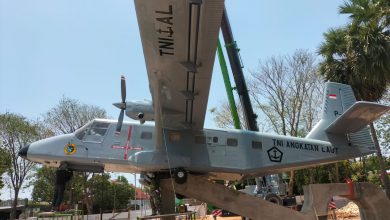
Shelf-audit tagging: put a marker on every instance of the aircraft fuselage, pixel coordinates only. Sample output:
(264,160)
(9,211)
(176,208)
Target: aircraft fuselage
(226,154)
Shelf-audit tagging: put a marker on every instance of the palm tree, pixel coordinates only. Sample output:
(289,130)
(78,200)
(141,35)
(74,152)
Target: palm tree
(359,54)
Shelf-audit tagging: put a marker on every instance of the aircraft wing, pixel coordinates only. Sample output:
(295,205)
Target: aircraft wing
(357,117)
(179,39)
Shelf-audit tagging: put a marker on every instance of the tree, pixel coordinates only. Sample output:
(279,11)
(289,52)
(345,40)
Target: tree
(318,174)
(223,117)
(15,133)
(78,188)
(70,115)
(287,90)
(359,55)
(4,164)
(43,184)
(66,117)
(383,125)
(122,192)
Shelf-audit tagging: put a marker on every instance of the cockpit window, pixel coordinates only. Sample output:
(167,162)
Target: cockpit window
(81,132)
(93,131)
(98,128)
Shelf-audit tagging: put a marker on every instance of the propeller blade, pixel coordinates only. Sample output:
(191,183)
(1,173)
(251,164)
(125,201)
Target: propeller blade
(123,88)
(121,105)
(120,121)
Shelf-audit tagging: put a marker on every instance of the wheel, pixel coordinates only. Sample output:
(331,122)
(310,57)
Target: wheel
(180,176)
(274,199)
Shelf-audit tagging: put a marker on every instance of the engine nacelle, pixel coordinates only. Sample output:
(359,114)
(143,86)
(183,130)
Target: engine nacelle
(140,110)
(141,115)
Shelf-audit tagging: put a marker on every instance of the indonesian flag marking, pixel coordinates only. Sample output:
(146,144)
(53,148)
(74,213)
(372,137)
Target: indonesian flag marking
(332,96)
(128,146)
(216,212)
(332,205)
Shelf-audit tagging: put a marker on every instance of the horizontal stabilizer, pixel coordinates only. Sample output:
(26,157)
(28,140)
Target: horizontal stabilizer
(357,117)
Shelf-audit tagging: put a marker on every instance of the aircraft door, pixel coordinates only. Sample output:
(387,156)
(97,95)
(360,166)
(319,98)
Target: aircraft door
(217,150)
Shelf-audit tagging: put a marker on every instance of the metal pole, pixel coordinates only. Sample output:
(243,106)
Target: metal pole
(101,198)
(113,213)
(135,192)
(235,63)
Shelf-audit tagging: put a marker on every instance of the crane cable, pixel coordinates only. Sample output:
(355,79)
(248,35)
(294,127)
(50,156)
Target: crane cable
(169,162)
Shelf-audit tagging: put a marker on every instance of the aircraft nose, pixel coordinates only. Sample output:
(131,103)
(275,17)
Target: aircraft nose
(23,152)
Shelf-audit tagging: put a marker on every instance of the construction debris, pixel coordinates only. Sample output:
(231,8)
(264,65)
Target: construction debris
(350,210)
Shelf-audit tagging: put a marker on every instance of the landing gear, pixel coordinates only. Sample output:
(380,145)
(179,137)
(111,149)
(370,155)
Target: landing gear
(180,175)
(274,199)
(62,177)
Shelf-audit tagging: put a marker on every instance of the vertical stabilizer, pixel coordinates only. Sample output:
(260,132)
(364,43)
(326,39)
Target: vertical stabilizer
(337,99)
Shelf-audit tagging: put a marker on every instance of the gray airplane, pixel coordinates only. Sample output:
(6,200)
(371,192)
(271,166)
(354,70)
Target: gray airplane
(179,39)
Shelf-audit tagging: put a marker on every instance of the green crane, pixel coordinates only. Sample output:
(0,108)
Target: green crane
(228,86)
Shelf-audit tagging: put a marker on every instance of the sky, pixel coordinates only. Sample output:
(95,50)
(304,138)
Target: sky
(79,49)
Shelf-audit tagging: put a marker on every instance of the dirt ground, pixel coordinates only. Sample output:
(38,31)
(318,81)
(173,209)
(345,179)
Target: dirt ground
(209,217)
(239,218)
(348,212)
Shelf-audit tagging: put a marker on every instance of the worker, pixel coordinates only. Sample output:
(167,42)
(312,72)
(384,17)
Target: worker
(150,182)
(62,177)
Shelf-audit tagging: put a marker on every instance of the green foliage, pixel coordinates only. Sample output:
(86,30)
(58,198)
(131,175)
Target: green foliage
(106,192)
(100,188)
(383,125)
(103,190)
(5,162)
(318,174)
(15,133)
(43,185)
(359,53)
(66,117)
(374,177)
(123,192)
(362,170)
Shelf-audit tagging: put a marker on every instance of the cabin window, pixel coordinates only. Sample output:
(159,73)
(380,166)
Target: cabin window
(232,142)
(96,132)
(174,137)
(200,140)
(257,145)
(146,135)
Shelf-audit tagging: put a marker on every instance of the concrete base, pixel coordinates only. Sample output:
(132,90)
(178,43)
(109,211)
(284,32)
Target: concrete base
(372,201)
(168,201)
(232,200)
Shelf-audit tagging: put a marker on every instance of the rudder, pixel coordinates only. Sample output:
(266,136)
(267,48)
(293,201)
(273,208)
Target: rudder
(338,98)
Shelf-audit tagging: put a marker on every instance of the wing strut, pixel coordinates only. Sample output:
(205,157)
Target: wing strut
(157,112)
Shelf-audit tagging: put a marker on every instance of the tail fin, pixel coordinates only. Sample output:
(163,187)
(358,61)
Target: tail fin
(342,115)
(337,98)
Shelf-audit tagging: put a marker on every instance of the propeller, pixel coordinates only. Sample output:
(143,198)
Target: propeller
(121,105)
